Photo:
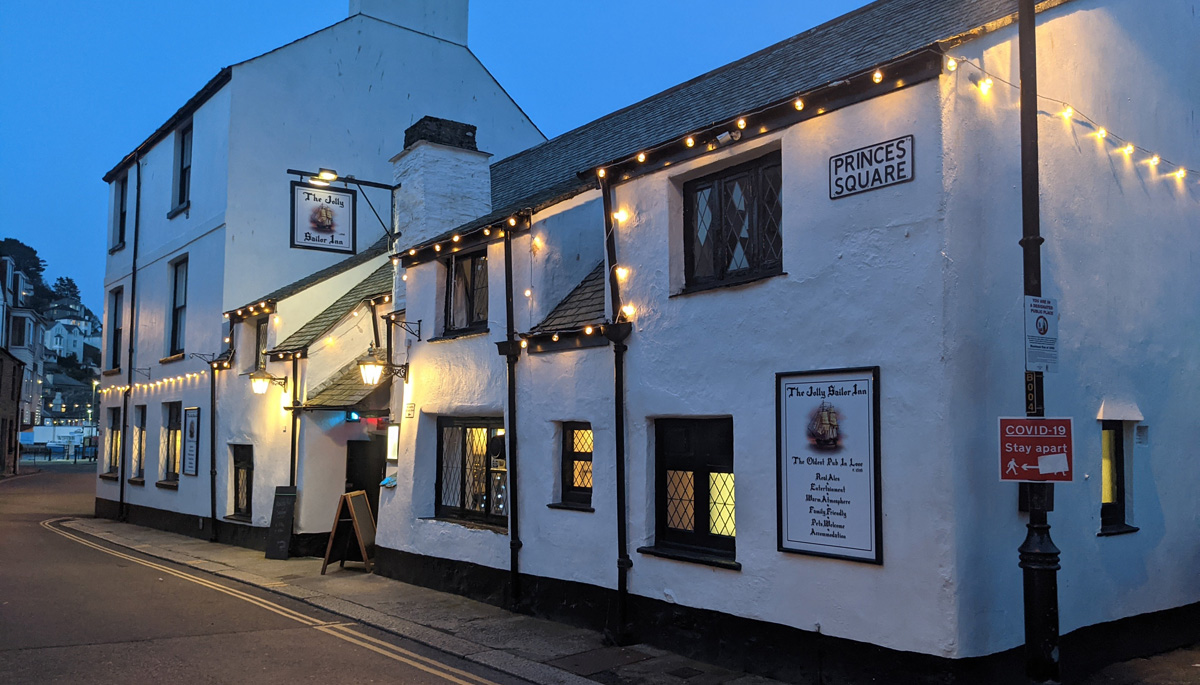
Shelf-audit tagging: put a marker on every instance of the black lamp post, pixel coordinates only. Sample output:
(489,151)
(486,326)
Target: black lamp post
(1039,556)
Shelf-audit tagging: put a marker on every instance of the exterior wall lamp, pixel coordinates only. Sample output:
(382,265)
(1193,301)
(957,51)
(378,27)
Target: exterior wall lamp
(373,369)
(261,380)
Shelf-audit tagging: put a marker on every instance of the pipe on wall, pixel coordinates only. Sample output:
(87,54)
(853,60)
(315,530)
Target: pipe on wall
(212,455)
(618,332)
(511,349)
(294,462)
(122,514)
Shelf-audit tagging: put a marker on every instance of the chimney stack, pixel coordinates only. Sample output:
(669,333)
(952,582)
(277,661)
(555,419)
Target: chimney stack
(445,19)
(445,180)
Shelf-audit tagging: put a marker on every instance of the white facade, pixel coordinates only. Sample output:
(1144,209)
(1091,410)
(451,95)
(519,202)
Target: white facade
(339,98)
(65,339)
(921,279)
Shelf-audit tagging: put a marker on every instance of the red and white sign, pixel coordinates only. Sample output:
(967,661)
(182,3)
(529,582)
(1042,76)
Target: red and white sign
(1036,450)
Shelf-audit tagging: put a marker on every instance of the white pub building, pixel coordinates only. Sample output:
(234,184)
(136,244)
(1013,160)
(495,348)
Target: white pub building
(722,371)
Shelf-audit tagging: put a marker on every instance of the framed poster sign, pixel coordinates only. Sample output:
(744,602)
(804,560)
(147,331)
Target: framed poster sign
(191,440)
(827,442)
(323,218)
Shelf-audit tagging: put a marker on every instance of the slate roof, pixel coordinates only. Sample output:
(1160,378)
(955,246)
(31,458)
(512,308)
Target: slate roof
(344,389)
(852,43)
(378,283)
(582,306)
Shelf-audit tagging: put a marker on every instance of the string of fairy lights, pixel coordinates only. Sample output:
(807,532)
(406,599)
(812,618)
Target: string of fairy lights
(149,386)
(984,80)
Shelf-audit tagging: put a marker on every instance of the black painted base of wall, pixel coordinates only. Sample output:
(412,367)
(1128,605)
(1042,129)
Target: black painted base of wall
(783,652)
(228,532)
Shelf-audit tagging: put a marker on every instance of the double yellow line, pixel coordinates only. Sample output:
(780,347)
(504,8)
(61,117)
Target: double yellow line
(342,631)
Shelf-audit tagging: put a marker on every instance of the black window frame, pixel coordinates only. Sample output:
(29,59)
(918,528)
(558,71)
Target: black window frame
(474,319)
(139,441)
(122,210)
(173,434)
(183,166)
(115,319)
(19,323)
(495,441)
(703,447)
(178,309)
(112,457)
(243,462)
(760,262)
(1113,515)
(260,343)
(571,493)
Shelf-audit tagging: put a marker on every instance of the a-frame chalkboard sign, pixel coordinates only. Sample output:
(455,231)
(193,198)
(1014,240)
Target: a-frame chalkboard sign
(353,523)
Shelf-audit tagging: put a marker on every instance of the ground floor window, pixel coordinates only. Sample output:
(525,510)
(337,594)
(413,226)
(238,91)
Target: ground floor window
(112,456)
(172,439)
(577,463)
(139,441)
(1112,479)
(472,469)
(693,485)
(243,480)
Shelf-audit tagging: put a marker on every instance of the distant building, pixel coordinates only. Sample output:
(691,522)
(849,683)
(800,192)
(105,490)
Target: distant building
(12,372)
(23,335)
(65,339)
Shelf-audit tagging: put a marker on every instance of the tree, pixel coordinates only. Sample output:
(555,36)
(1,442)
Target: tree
(28,262)
(65,288)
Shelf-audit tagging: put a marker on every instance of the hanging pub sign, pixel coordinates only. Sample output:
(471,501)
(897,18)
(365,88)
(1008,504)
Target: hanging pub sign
(191,440)
(874,166)
(323,218)
(827,438)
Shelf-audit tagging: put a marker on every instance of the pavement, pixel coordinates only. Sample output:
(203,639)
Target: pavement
(529,648)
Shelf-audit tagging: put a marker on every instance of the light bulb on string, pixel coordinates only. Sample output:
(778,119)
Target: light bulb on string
(1155,160)
(1068,112)
(877,77)
(1102,133)
(1128,149)
(951,64)
(1181,173)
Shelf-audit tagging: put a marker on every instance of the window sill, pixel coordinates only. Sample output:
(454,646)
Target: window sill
(117,248)
(468,523)
(136,481)
(178,356)
(455,335)
(111,372)
(238,518)
(167,484)
(693,557)
(110,476)
(1116,529)
(179,209)
(571,506)
(729,283)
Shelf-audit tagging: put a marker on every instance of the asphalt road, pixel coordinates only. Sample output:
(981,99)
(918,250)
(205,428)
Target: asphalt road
(72,612)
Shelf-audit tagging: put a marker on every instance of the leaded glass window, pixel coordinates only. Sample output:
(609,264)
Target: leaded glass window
(243,480)
(732,224)
(472,469)
(466,292)
(577,463)
(694,485)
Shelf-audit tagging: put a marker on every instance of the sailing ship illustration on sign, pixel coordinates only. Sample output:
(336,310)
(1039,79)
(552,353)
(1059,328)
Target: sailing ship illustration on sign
(823,427)
(321,219)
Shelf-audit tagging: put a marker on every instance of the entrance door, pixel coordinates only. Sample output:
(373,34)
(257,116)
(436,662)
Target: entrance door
(366,461)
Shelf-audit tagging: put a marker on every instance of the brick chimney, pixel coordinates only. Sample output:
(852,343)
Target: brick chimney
(445,19)
(445,181)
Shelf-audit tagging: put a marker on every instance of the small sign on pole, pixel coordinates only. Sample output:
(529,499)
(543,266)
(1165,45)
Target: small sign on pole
(1041,334)
(1035,450)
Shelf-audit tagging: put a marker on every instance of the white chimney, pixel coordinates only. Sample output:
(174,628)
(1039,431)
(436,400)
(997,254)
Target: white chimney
(445,19)
(445,180)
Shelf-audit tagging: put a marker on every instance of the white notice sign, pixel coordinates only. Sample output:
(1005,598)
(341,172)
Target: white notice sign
(828,451)
(1041,334)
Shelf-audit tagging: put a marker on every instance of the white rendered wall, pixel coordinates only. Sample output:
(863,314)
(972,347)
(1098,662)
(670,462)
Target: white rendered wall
(342,98)
(1122,243)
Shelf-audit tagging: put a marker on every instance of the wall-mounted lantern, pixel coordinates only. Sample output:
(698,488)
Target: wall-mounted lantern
(261,380)
(373,369)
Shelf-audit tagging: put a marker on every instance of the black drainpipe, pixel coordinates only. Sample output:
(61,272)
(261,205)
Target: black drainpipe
(295,419)
(123,515)
(511,349)
(618,332)
(212,453)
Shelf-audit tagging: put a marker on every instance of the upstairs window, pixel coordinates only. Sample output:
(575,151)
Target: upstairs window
(260,344)
(19,335)
(115,319)
(183,166)
(577,463)
(732,224)
(178,305)
(122,211)
(693,485)
(466,292)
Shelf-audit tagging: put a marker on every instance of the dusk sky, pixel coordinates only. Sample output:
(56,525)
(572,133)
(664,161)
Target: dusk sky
(87,81)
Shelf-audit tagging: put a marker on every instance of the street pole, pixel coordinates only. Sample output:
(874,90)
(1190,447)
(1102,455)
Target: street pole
(1039,556)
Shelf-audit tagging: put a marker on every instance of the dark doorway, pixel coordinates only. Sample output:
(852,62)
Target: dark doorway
(365,464)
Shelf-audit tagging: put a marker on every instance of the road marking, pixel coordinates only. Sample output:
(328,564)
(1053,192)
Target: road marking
(342,631)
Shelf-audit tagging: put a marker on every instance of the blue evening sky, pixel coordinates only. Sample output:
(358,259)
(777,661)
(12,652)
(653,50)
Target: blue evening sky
(85,81)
